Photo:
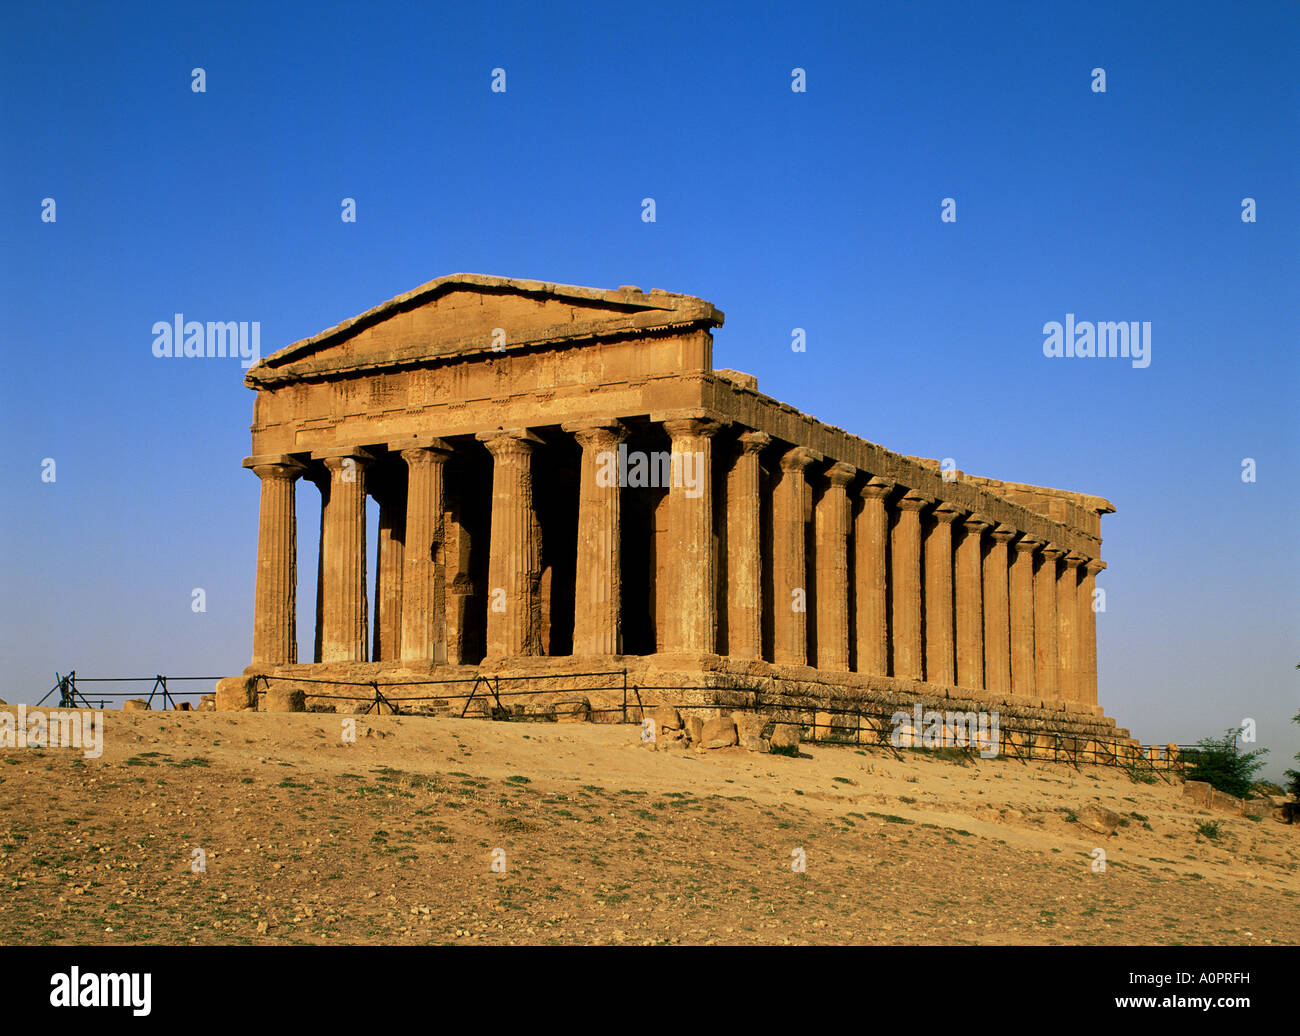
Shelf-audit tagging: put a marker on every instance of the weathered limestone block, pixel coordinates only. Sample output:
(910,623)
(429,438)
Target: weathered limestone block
(1099,819)
(135,705)
(236,694)
(749,731)
(666,718)
(785,736)
(834,726)
(719,733)
(283,699)
(1226,803)
(208,703)
(694,728)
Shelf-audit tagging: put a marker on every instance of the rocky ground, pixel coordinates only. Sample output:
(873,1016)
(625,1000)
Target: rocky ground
(307,838)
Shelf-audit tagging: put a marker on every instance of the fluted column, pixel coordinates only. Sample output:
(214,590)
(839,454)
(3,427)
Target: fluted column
(424,587)
(319,476)
(789,558)
(514,553)
(275,636)
(690,512)
(871,544)
(832,523)
(389,551)
(344,617)
(970,603)
(1046,660)
(1067,624)
(744,553)
(1088,632)
(905,591)
(940,649)
(1024,668)
(997,611)
(597,596)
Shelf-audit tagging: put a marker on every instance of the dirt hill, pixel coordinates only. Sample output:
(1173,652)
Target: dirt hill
(390,839)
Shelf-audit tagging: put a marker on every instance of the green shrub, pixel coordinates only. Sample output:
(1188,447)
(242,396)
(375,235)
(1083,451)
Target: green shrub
(1222,764)
(1294,775)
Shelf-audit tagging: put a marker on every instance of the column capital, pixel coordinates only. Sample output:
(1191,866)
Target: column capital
(1052,553)
(596,433)
(1003,533)
(509,441)
(876,488)
(347,459)
(424,455)
(751,441)
(841,473)
(976,523)
(1027,544)
(275,465)
(692,426)
(1093,566)
(799,458)
(1074,560)
(946,513)
(912,501)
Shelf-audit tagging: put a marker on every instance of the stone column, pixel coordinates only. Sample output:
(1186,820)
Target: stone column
(345,620)
(1088,632)
(424,587)
(598,582)
(319,476)
(940,652)
(690,510)
(1067,621)
(789,558)
(905,591)
(832,526)
(997,612)
(871,543)
(275,634)
(1046,661)
(389,550)
(1021,578)
(744,553)
(970,604)
(514,553)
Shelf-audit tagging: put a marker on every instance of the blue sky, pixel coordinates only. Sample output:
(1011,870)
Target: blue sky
(817,210)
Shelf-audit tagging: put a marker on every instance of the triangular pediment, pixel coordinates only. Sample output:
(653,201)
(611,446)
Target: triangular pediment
(467,314)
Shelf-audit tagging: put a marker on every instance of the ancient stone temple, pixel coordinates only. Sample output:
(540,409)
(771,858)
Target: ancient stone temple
(564,483)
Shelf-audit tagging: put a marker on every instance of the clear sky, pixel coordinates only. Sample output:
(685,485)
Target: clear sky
(818,210)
